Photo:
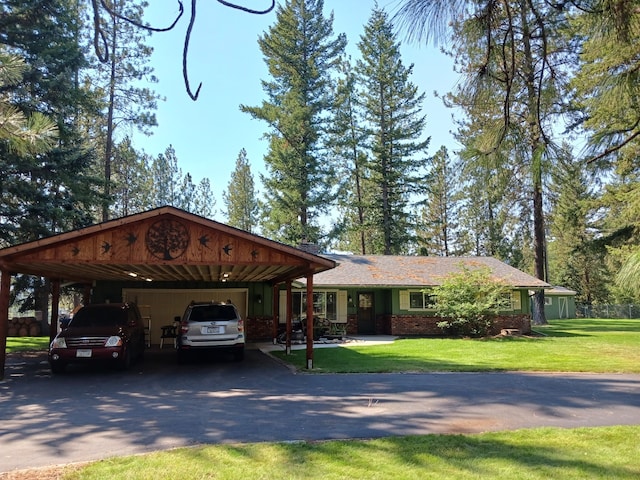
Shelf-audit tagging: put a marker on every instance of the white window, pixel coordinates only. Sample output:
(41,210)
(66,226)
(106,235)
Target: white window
(512,300)
(329,305)
(417,300)
(548,300)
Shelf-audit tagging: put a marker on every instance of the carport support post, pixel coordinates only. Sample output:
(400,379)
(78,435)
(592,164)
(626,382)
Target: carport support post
(289,315)
(55,302)
(310,322)
(276,312)
(5,283)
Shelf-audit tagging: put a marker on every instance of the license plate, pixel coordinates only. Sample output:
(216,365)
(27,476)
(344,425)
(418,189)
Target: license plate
(83,353)
(213,330)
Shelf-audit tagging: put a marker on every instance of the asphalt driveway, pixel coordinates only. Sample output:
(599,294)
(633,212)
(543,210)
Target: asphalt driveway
(89,413)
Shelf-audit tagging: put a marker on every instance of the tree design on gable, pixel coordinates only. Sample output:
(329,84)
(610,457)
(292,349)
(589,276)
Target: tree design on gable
(167,239)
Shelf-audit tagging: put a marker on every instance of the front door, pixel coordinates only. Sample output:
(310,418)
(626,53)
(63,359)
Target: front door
(366,314)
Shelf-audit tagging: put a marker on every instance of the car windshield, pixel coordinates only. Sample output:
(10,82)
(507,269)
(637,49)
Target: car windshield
(99,317)
(206,313)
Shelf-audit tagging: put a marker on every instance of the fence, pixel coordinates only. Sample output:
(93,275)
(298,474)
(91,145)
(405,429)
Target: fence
(608,311)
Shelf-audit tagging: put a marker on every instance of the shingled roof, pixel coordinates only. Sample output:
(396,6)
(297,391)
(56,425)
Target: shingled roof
(413,271)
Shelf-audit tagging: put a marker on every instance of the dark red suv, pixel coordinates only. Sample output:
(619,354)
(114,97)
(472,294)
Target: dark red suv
(111,333)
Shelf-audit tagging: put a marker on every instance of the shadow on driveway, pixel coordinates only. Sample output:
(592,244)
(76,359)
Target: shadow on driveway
(94,413)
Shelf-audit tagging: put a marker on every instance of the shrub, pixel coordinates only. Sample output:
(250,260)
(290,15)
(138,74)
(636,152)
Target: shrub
(469,301)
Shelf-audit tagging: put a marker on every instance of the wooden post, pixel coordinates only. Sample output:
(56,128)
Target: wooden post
(276,312)
(5,283)
(86,294)
(310,322)
(55,305)
(289,315)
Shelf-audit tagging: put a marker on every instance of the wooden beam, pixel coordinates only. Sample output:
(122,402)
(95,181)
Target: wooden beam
(276,312)
(5,283)
(289,315)
(55,305)
(310,321)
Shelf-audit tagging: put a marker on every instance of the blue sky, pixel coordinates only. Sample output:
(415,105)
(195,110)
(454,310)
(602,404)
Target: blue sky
(208,134)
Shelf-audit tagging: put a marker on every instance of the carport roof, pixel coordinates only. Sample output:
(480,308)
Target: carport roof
(164,244)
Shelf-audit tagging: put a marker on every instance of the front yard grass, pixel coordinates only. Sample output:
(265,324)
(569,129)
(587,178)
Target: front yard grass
(27,344)
(594,453)
(575,345)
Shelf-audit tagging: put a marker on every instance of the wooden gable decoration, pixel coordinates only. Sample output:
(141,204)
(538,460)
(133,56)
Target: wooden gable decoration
(165,244)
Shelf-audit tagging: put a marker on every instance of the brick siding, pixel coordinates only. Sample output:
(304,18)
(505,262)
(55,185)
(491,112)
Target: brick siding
(418,325)
(260,329)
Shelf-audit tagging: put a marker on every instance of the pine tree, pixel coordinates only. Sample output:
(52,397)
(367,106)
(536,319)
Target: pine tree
(167,178)
(576,254)
(204,201)
(187,194)
(607,91)
(513,51)
(126,102)
(437,222)
(23,134)
(131,180)
(394,126)
(347,145)
(607,84)
(301,55)
(50,192)
(240,197)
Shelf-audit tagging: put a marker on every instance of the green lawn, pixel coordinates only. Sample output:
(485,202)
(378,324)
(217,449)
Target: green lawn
(584,345)
(25,344)
(596,453)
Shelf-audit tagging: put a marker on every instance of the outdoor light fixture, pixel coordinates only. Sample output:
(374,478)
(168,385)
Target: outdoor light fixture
(258,298)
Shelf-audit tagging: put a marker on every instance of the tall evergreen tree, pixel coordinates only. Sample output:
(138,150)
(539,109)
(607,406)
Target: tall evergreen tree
(437,223)
(187,195)
(607,90)
(394,127)
(301,54)
(514,51)
(204,201)
(51,191)
(167,178)
(126,103)
(576,252)
(348,147)
(240,197)
(131,180)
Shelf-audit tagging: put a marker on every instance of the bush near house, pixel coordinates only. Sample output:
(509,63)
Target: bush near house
(469,301)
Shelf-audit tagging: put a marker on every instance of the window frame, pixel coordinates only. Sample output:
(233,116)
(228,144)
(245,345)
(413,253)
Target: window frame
(428,300)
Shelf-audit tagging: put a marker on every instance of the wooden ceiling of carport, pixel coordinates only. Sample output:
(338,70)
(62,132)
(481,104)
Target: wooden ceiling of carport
(164,244)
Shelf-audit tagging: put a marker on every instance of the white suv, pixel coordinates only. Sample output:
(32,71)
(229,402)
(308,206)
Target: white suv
(211,326)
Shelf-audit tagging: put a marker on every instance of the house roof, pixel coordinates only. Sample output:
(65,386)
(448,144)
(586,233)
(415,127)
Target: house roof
(414,271)
(560,291)
(164,244)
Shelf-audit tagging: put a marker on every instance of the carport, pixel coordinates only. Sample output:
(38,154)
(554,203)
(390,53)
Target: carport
(155,247)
